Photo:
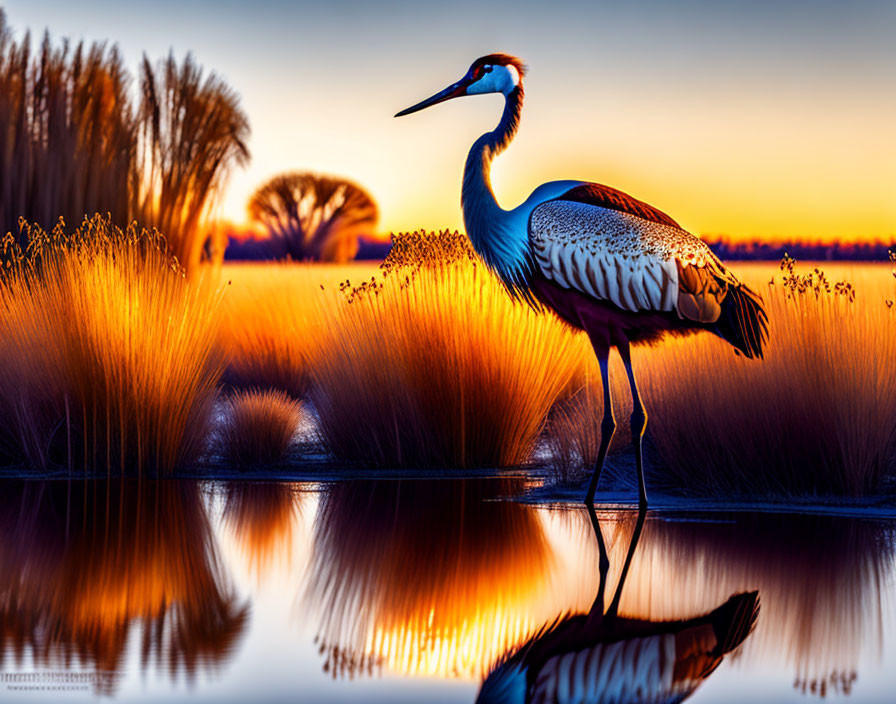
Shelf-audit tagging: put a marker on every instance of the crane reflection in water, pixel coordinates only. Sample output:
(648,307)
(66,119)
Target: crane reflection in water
(824,582)
(84,564)
(601,657)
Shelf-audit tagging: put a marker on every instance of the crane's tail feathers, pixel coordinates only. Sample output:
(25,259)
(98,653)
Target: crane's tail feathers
(734,620)
(743,321)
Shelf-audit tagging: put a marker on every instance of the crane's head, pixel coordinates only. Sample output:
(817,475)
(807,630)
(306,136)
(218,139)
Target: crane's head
(495,73)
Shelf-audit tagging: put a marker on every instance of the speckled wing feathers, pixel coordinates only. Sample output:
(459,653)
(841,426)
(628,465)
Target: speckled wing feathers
(613,199)
(634,263)
(630,670)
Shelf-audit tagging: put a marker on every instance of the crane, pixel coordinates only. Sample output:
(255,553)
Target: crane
(603,657)
(601,260)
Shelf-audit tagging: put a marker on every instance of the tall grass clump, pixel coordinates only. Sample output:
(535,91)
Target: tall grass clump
(76,139)
(192,131)
(435,365)
(260,427)
(817,415)
(107,352)
(67,134)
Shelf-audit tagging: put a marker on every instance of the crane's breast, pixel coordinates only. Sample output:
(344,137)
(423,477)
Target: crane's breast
(636,264)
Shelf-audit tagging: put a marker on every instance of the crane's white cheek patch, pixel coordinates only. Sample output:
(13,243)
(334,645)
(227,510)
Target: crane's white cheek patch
(501,79)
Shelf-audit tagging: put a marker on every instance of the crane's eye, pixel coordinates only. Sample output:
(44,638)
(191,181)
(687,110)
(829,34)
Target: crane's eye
(480,71)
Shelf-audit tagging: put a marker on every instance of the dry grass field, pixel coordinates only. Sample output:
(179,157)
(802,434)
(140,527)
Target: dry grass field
(111,361)
(447,371)
(271,319)
(426,367)
(817,414)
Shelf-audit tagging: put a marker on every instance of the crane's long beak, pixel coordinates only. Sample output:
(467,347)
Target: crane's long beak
(453,91)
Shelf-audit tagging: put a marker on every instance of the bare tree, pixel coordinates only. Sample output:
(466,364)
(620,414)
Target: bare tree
(314,216)
(192,132)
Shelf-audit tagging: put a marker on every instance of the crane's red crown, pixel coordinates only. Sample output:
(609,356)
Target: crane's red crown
(497,60)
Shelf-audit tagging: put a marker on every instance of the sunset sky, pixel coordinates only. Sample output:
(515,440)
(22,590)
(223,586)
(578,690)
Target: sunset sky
(756,119)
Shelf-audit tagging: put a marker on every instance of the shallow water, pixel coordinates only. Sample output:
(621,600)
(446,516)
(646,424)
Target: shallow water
(411,590)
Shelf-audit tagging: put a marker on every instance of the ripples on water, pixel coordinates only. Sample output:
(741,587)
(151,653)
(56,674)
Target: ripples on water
(411,589)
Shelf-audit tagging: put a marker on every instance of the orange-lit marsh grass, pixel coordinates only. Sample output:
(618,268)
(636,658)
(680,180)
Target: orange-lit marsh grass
(436,366)
(816,415)
(260,427)
(269,321)
(107,353)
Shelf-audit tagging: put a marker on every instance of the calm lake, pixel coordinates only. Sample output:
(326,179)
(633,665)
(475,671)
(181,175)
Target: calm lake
(414,591)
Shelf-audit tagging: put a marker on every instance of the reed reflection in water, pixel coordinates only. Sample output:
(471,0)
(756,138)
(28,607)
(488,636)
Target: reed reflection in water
(262,517)
(425,577)
(84,564)
(420,577)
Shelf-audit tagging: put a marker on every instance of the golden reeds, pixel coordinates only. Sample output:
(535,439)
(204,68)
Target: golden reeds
(259,427)
(436,366)
(107,353)
(67,136)
(817,415)
(432,365)
(192,131)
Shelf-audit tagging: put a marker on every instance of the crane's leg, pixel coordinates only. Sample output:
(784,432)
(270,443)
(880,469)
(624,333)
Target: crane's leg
(638,420)
(614,605)
(608,424)
(596,614)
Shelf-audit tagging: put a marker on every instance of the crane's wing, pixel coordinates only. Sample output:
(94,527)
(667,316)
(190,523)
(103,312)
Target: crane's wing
(630,670)
(613,199)
(629,254)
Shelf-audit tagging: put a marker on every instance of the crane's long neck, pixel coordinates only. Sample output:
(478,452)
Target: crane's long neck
(501,241)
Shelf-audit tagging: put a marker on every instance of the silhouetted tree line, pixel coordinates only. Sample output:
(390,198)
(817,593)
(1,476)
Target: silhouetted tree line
(242,248)
(813,251)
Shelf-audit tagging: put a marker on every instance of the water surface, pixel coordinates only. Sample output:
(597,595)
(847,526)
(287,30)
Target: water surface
(413,590)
